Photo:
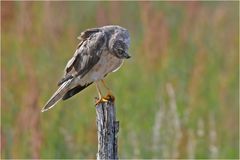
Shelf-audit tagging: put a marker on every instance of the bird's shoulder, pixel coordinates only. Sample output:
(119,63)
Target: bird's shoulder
(88,52)
(86,34)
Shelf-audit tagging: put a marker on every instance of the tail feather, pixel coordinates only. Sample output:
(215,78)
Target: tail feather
(62,90)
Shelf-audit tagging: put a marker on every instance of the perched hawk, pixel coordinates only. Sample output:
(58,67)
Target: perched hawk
(100,51)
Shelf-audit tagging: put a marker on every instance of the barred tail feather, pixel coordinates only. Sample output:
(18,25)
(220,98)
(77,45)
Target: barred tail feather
(62,90)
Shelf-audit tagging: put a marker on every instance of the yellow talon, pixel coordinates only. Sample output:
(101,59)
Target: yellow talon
(101,100)
(109,97)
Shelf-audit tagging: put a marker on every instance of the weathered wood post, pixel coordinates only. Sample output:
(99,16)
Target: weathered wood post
(107,129)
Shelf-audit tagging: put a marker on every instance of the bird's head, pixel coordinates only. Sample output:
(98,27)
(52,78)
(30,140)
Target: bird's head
(119,43)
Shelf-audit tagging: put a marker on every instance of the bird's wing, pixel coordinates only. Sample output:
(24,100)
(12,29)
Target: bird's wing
(75,90)
(86,55)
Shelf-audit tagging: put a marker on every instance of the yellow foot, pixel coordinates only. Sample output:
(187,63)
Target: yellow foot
(109,97)
(101,100)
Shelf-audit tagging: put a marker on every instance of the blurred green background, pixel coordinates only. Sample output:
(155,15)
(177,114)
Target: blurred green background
(177,97)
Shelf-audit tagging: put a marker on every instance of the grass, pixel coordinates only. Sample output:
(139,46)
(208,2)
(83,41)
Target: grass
(177,97)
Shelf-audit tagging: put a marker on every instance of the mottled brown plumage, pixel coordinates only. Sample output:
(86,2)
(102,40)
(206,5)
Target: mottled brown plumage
(100,51)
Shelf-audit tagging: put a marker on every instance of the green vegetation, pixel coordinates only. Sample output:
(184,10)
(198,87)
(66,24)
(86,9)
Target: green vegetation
(177,97)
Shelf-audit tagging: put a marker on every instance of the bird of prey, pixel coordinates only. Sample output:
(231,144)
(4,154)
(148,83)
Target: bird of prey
(100,51)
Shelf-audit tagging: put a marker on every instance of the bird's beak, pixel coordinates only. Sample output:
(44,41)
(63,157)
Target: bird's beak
(126,55)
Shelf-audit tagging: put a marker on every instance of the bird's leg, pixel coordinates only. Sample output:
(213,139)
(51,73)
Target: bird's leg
(104,84)
(98,90)
(100,98)
(109,95)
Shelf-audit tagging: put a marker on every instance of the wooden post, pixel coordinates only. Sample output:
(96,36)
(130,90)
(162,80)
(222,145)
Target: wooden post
(107,127)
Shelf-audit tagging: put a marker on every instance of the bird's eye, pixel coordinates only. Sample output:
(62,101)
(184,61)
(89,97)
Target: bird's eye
(120,51)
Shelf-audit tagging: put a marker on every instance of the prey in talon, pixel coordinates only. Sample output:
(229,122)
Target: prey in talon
(100,51)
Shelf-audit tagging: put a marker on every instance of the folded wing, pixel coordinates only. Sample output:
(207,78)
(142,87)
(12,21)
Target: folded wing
(88,53)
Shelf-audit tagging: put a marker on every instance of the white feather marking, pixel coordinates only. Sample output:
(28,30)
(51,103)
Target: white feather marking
(118,67)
